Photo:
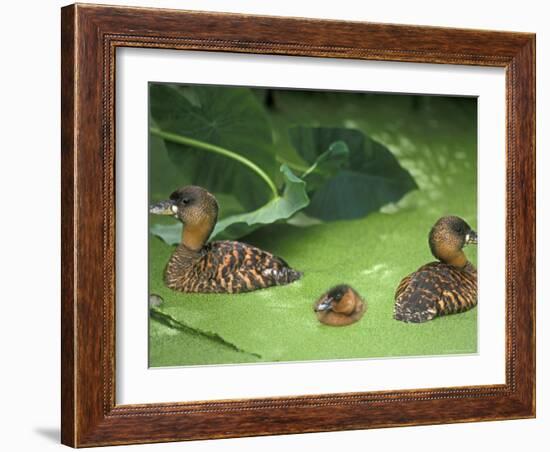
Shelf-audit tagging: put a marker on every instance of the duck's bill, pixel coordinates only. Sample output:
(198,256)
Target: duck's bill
(163,208)
(471,238)
(325,305)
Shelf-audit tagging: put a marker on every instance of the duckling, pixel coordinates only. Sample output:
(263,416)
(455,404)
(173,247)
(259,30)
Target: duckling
(445,287)
(220,266)
(340,306)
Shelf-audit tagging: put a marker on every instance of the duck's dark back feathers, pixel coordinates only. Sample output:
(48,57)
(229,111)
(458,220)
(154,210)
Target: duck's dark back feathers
(226,267)
(435,289)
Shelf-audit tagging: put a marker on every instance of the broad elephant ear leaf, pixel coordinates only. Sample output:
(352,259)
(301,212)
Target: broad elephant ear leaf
(231,118)
(293,199)
(369,178)
(282,207)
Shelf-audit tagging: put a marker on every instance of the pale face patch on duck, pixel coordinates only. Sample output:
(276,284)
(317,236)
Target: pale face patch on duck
(471,238)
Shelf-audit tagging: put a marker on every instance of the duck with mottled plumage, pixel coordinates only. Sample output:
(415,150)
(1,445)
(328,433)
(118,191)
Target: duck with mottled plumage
(448,286)
(340,306)
(220,266)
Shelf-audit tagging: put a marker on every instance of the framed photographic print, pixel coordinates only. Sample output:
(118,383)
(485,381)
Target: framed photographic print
(281,225)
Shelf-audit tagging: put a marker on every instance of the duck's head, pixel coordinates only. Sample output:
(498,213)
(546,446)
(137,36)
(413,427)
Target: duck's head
(196,208)
(341,305)
(447,238)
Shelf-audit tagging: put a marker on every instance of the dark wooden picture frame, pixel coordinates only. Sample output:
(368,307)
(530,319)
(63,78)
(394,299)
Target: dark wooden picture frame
(90,37)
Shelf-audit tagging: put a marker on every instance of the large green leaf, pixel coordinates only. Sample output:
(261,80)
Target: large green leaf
(367,179)
(228,117)
(293,199)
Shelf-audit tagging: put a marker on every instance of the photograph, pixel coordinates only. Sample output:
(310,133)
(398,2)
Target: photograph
(270,225)
(306,225)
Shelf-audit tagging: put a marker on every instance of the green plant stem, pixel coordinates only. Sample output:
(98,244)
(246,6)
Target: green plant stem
(310,170)
(292,165)
(180,139)
(305,170)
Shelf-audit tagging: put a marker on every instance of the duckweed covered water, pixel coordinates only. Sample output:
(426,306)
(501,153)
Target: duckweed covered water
(435,139)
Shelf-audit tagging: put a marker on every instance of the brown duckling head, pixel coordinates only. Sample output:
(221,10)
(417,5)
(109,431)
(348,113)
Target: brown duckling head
(340,306)
(196,208)
(447,238)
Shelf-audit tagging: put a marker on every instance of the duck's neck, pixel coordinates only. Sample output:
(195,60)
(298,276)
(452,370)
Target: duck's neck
(448,253)
(195,236)
(458,260)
